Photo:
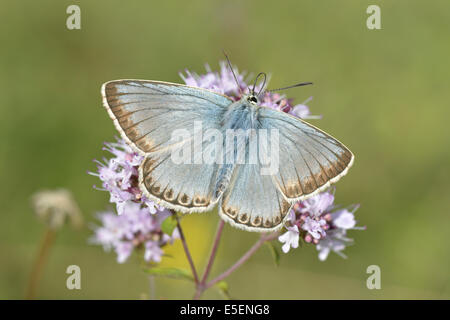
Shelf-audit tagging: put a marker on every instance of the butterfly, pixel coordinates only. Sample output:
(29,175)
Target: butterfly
(146,113)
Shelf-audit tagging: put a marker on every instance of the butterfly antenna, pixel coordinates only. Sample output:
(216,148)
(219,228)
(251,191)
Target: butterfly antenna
(256,81)
(294,86)
(232,71)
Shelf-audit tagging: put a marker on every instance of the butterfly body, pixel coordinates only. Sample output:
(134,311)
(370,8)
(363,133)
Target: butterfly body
(306,160)
(240,115)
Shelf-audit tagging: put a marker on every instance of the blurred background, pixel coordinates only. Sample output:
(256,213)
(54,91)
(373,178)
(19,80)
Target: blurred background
(382,92)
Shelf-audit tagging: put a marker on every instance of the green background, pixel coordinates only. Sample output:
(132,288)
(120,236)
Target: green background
(383,92)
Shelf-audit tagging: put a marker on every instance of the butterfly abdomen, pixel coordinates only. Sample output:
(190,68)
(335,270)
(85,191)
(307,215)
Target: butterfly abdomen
(223,180)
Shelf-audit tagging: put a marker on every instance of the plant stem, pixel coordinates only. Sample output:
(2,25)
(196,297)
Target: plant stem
(186,250)
(38,266)
(243,259)
(151,287)
(212,256)
(201,286)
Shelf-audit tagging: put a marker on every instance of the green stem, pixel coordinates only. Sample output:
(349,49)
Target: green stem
(186,250)
(203,286)
(36,272)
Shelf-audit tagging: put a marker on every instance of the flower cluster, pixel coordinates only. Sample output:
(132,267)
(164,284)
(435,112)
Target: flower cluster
(138,223)
(222,82)
(136,228)
(119,176)
(318,221)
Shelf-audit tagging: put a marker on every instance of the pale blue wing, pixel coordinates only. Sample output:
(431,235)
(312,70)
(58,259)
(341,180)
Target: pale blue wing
(310,160)
(252,201)
(146,113)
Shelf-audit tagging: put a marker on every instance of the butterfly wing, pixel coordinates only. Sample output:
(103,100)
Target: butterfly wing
(252,201)
(146,113)
(310,160)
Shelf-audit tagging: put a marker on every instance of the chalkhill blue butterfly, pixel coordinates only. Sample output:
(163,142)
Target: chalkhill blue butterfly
(273,160)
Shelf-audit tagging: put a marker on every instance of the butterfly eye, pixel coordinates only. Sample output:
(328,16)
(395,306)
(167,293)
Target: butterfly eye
(253,99)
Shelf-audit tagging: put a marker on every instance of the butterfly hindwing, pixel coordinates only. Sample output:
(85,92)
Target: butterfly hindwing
(252,201)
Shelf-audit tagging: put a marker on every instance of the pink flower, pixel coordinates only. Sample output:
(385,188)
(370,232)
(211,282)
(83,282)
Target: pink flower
(343,219)
(290,239)
(138,223)
(153,252)
(336,241)
(320,225)
(223,82)
(317,205)
(135,228)
(314,227)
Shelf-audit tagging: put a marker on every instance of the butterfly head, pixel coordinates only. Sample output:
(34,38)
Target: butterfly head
(251,98)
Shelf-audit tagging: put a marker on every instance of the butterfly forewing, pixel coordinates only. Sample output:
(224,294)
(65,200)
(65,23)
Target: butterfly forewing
(146,113)
(310,160)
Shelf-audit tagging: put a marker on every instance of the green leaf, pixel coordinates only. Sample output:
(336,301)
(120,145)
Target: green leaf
(223,289)
(275,253)
(169,224)
(169,272)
